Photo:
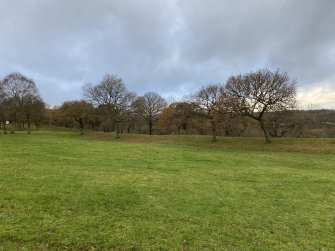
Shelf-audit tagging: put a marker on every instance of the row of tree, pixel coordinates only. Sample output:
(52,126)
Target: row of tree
(263,99)
(252,94)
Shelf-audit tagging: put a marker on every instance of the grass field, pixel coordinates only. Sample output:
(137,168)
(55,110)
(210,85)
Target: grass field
(65,191)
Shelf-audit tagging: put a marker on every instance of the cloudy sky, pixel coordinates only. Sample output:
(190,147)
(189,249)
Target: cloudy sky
(169,46)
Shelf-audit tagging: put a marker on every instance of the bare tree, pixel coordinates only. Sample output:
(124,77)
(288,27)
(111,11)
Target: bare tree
(211,100)
(262,91)
(111,94)
(150,105)
(21,93)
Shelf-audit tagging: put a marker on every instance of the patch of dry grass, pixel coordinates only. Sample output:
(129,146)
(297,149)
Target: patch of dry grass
(304,145)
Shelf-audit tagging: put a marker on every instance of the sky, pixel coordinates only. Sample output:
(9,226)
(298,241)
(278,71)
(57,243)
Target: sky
(173,47)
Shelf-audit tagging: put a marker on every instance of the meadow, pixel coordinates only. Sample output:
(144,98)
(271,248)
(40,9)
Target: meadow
(66,191)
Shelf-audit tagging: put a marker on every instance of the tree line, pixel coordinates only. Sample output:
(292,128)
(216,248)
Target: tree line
(261,101)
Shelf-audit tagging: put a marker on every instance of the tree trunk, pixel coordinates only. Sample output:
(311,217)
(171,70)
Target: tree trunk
(4,127)
(117,130)
(81,126)
(12,128)
(267,137)
(37,125)
(150,128)
(213,131)
(28,122)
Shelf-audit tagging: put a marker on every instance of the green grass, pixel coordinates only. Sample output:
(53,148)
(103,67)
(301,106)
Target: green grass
(64,191)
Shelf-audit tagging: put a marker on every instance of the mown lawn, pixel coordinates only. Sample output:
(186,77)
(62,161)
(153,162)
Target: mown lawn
(64,191)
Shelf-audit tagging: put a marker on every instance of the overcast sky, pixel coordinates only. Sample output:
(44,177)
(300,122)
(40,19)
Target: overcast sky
(172,47)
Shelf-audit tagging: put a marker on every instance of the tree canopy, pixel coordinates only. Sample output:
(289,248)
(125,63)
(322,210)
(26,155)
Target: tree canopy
(262,91)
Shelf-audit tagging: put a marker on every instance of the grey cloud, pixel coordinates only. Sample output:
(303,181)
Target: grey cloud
(169,46)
